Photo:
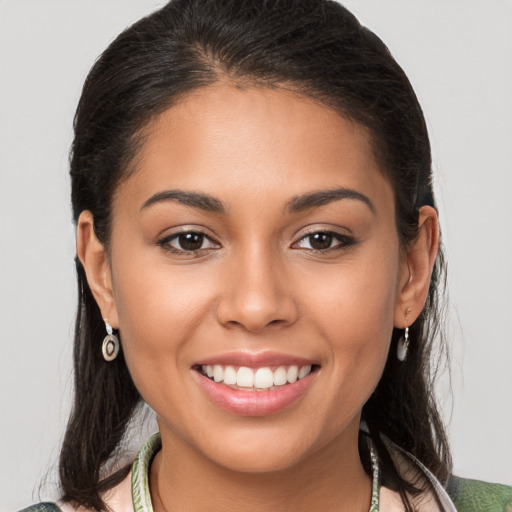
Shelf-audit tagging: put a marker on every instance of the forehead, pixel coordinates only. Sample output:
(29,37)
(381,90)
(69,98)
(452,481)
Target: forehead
(222,140)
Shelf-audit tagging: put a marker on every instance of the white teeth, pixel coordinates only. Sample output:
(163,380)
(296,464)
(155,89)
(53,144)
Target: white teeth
(280,376)
(229,375)
(304,370)
(292,374)
(245,377)
(218,373)
(264,378)
(261,379)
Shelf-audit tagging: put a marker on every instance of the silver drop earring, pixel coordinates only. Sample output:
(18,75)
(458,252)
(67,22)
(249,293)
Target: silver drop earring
(403,345)
(110,345)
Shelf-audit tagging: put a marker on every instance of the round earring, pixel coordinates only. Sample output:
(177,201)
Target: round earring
(110,345)
(403,345)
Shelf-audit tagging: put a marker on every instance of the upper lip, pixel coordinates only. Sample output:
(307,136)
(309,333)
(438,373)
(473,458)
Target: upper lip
(255,360)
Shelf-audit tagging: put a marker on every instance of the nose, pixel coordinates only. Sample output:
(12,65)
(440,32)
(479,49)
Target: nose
(256,293)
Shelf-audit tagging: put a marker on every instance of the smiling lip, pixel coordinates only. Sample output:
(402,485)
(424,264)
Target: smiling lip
(252,360)
(254,403)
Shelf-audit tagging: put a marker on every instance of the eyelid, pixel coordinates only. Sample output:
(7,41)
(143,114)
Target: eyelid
(346,240)
(164,240)
(172,231)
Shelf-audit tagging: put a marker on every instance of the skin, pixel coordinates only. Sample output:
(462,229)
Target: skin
(257,286)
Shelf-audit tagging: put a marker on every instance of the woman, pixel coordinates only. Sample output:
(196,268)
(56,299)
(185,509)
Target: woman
(257,234)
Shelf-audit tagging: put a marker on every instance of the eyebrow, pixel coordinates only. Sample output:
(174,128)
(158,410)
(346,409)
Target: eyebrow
(194,199)
(295,205)
(323,197)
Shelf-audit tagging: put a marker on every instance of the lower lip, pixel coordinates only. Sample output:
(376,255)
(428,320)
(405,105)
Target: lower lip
(254,403)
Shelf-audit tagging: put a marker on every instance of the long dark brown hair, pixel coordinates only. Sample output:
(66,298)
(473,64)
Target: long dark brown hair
(319,49)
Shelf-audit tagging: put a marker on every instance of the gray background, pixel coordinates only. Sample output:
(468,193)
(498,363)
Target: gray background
(458,55)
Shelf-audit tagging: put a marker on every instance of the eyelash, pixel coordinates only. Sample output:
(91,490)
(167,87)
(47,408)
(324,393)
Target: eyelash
(344,242)
(165,242)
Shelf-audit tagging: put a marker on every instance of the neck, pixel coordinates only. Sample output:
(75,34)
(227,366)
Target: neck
(332,479)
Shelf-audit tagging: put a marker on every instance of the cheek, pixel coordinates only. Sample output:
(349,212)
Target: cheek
(158,312)
(356,298)
(353,306)
(356,317)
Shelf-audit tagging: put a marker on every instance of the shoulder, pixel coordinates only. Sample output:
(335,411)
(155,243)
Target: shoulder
(42,507)
(476,496)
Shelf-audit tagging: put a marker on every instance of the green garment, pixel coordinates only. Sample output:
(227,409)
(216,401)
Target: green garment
(475,496)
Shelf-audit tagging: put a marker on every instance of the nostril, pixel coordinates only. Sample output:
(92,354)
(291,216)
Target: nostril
(243,308)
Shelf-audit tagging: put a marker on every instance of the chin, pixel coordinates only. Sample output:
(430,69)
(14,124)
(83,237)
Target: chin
(263,448)
(258,459)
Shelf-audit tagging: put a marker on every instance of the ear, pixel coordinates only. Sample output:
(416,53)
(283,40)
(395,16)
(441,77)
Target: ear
(417,265)
(94,259)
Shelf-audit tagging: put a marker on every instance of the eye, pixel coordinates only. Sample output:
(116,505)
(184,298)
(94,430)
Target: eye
(188,242)
(324,241)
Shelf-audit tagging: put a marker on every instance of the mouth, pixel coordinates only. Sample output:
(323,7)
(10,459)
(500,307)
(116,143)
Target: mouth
(265,378)
(255,385)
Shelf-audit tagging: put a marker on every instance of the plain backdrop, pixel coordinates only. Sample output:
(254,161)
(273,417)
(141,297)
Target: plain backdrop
(458,55)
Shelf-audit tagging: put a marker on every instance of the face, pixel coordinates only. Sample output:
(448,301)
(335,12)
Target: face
(255,240)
